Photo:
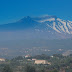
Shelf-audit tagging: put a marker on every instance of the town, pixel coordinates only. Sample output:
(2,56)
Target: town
(37,63)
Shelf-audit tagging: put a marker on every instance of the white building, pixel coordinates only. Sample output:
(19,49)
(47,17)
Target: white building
(42,62)
(2,59)
(27,56)
(34,59)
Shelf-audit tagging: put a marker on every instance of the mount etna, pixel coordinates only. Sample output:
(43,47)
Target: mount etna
(48,27)
(36,35)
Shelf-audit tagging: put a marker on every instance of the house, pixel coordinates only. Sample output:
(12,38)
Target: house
(34,59)
(2,59)
(29,59)
(27,56)
(42,62)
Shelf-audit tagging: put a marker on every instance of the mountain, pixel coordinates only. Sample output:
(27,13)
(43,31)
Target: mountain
(24,23)
(36,35)
(49,27)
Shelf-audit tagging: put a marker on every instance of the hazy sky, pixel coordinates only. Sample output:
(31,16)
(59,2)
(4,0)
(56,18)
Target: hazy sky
(13,10)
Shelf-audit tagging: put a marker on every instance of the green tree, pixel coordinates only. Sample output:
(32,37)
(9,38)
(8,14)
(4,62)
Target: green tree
(29,68)
(7,69)
(43,70)
(55,70)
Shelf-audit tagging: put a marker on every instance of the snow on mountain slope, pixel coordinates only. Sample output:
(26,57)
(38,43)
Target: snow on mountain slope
(47,23)
(48,27)
(59,25)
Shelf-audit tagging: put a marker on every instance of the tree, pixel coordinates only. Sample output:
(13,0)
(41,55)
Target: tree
(43,70)
(29,68)
(7,69)
(55,70)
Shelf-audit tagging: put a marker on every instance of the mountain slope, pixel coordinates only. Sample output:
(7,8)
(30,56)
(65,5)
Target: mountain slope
(24,23)
(49,27)
(59,25)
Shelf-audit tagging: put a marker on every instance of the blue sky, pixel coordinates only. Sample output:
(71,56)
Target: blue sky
(13,10)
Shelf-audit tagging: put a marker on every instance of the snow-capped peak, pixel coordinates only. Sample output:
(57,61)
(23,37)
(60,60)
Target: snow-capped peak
(57,24)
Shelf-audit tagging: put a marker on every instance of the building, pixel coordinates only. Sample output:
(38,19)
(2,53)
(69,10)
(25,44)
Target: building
(34,59)
(2,59)
(42,62)
(29,59)
(27,56)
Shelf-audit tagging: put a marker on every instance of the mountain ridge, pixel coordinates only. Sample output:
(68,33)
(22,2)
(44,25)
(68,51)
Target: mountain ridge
(47,26)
